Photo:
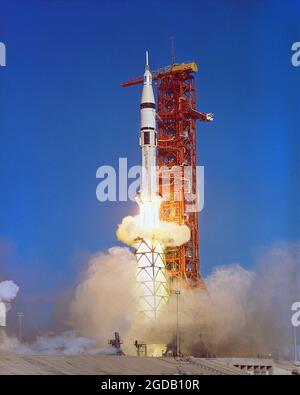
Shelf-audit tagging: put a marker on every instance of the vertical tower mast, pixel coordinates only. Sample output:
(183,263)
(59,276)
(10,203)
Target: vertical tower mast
(177,149)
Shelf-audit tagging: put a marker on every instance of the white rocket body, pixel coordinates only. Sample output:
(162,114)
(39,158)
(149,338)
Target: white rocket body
(148,198)
(148,139)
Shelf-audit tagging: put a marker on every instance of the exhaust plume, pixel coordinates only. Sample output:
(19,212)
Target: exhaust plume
(169,234)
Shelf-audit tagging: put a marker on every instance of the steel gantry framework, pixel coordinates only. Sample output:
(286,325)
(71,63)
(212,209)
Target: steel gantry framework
(177,152)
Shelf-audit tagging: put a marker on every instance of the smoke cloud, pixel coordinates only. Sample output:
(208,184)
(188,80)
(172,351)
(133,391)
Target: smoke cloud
(247,313)
(67,343)
(104,301)
(169,234)
(8,291)
(244,313)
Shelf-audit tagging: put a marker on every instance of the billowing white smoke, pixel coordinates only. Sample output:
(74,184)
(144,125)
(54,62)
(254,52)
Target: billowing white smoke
(104,302)
(66,343)
(8,291)
(169,234)
(248,312)
(105,299)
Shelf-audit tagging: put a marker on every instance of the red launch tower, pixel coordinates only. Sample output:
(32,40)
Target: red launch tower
(176,120)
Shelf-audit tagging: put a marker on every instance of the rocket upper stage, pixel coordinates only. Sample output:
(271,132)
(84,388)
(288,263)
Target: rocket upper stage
(147,100)
(147,108)
(148,138)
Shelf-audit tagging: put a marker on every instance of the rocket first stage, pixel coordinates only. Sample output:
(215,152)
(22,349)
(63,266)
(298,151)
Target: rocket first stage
(151,274)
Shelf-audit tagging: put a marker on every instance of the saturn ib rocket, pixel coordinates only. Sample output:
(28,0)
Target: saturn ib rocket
(148,198)
(151,274)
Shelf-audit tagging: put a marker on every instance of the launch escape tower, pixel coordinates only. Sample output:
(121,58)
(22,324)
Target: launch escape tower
(176,120)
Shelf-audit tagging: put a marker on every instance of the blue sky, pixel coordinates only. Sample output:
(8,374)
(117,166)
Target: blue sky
(63,114)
